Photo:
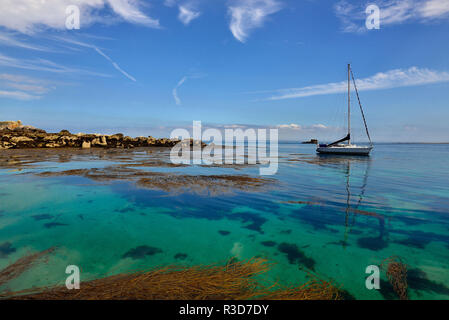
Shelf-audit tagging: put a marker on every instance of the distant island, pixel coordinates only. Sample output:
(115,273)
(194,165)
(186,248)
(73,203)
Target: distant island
(311,141)
(15,135)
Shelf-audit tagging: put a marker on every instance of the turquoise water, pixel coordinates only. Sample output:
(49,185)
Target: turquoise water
(333,216)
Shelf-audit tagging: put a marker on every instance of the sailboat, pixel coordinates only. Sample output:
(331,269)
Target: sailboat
(338,147)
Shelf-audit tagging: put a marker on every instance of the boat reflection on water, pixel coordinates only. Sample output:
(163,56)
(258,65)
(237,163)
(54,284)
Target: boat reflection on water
(352,168)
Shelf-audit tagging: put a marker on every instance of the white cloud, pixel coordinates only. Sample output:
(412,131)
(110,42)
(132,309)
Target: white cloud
(234,126)
(19,95)
(175,90)
(170,3)
(129,10)
(31,16)
(187,15)
(294,126)
(290,126)
(297,132)
(37,89)
(392,12)
(43,65)
(187,9)
(24,88)
(383,80)
(434,8)
(10,40)
(247,15)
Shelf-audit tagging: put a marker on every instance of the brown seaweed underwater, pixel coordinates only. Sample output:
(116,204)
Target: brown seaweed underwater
(236,280)
(128,167)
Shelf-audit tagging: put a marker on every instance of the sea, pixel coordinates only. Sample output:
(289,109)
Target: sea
(330,217)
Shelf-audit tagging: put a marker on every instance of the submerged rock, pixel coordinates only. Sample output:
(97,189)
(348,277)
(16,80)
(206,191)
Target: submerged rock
(141,252)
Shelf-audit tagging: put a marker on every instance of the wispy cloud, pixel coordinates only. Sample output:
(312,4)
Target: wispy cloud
(293,126)
(100,52)
(115,65)
(435,8)
(43,65)
(188,9)
(175,90)
(352,16)
(11,40)
(247,15)
(18,95)
(181,82)
(129,10)
(31,16)
(297,127)
(187,15)
(23,87)
(383,80)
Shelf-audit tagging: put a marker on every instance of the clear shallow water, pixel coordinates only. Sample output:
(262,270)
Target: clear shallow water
(330,215)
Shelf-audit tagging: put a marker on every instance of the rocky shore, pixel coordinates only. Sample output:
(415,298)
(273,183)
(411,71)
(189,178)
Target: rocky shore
(14,135)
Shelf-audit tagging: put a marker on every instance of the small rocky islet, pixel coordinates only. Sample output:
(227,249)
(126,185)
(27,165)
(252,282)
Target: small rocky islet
(14,135)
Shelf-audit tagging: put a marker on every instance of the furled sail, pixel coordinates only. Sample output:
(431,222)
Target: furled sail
(348,137)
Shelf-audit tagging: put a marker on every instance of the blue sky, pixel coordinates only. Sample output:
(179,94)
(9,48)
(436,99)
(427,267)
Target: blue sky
(146,67)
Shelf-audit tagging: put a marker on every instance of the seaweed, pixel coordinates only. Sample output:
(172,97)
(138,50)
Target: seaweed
(414,242)
(141,252)
(124,210)
(375,243)
(54,224)
(423,237)
(401,278)
(255,220)
(372,243)
(6,249)
(268,243)
(181,256)
(170,182)
(203,184)
(21,265)
(38,217)
(418,280)
(296,256)
(317,217)
(236,280)
(396,272)
(346,295)
(338,243)
(386,290)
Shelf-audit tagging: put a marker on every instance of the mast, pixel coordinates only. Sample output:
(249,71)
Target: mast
(349,104)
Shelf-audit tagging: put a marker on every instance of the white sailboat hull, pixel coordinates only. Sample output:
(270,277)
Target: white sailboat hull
(345,150)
